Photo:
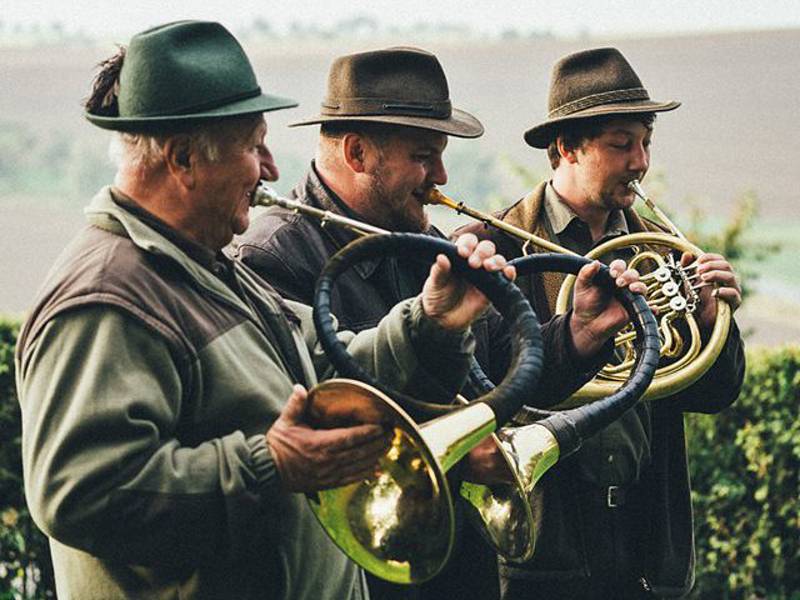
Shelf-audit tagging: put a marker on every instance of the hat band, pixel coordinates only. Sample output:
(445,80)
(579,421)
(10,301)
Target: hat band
(203,106)
(353,107)
(625,95)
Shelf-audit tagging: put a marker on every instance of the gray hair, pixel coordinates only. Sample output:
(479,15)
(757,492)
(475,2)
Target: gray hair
(144,151)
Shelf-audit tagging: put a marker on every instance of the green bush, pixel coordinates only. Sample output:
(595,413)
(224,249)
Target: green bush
(744,467)
(25,568)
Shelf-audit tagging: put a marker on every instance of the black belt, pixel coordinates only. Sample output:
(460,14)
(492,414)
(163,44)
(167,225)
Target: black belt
(615,496)
(611,497)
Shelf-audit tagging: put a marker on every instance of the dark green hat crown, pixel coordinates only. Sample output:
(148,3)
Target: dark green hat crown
(185,71)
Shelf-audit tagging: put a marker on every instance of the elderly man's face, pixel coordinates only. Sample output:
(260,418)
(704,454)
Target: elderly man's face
(409,165)
(226,185)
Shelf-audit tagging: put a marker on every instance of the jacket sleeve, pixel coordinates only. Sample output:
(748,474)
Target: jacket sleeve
(104,469)
(721,384)
(563,372)
(406,351)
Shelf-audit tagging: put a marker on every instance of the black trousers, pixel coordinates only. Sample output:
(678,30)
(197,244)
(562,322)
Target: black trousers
(614,549)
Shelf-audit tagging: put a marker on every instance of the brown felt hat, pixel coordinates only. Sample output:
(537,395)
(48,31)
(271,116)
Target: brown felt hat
(401,86)
(591,83)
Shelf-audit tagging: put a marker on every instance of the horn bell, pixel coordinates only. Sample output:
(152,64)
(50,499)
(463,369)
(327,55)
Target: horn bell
(503,512)
(398,524)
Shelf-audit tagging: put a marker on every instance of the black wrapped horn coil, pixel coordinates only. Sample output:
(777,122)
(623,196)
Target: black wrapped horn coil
(572,426)
(504,400)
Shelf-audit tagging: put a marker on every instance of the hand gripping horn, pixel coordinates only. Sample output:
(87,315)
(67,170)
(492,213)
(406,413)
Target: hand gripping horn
(399,524)
(503,512)
(671,287)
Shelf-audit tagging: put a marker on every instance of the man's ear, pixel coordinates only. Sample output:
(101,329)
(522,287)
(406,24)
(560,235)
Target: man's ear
(566,153)
(355,151)
(180,159)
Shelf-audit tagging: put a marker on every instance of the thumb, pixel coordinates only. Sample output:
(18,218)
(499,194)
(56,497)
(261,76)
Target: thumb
(296,405)
(440,271)
(586,274)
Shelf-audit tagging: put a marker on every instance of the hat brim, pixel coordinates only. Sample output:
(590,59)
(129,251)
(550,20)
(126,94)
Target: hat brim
(257,104)
(541,135)
(459,124)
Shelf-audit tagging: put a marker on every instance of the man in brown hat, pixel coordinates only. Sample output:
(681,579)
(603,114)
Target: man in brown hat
(167,449)
(616,517)
(384,126)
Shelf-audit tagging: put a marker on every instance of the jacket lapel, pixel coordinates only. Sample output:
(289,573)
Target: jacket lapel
(527,214)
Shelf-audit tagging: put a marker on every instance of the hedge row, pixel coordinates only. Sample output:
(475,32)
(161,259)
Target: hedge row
(746,491)
(25,569)
(744,466)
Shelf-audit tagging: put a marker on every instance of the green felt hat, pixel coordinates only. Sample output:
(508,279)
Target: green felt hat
(182,72)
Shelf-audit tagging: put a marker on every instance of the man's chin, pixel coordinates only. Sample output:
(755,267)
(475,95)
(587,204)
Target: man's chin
(623,201)
(239,226)
(417,225)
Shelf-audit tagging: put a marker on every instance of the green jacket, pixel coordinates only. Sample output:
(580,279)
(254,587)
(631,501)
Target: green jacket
(147,386)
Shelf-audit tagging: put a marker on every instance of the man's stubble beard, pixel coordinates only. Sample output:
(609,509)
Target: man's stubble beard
(394,220)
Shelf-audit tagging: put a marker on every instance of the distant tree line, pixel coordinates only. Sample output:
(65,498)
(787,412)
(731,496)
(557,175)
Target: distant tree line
(261,29)
(54,165)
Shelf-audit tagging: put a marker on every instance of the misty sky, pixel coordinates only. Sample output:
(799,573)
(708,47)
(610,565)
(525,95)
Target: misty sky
(610,17)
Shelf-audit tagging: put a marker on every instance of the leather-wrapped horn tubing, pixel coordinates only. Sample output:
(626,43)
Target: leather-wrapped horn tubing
(504,400)
(572,426)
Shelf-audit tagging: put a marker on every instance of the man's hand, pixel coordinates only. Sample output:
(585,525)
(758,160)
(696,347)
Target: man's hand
(485,464)
(596,314)
(448,299)
(714,269)
(310,460)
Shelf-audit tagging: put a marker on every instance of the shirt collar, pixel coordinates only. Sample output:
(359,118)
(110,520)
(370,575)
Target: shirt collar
(560,215)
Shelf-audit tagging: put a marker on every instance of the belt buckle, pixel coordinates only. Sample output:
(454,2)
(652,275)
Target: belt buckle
(612,496)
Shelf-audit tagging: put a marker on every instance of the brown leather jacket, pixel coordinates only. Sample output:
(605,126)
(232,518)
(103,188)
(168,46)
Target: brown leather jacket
(289,250)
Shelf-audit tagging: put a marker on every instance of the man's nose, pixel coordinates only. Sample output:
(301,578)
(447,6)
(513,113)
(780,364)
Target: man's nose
(269,170)
(438,173)
(640,159)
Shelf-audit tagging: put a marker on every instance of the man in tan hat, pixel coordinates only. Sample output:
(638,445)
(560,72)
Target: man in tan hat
(166,446)
(384,126)
(616,517)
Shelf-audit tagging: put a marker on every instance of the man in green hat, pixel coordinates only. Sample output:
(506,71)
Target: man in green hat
(616,519)
(167,452)
(384,126)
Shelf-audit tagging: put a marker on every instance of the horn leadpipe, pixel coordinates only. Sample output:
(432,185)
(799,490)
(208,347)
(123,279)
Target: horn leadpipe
(637,189)
(266,196)
(437,197)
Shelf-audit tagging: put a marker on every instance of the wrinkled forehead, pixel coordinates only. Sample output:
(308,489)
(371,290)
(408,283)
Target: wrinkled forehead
(236,131)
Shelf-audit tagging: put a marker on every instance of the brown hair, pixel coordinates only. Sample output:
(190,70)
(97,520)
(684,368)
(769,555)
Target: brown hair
(576,132)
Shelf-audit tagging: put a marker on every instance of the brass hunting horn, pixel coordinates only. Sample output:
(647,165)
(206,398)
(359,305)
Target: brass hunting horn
(399,524)
(672,291)
(502,512)
(395,521)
